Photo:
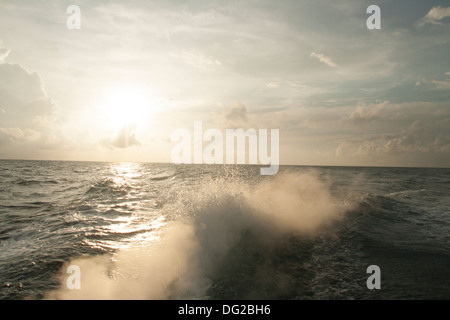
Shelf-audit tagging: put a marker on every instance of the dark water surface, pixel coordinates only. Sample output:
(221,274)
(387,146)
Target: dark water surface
(306,233)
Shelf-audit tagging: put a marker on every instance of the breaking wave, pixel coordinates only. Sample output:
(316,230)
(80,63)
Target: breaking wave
(220,239)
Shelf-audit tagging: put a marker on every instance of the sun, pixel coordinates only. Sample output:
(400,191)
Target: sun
(125,105)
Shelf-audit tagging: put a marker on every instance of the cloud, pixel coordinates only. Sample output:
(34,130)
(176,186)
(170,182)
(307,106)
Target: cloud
(435,84)
(198,60)
(408,129)
(22,97)
(237,113)
(367,113)
(28,122)
(296,85)
(435,15)
(278,84)
(21,84)
(324,59)
(273,84)
(14,134)
(125,138)
(31,114)
(441,85)
(418,138)
(4,52)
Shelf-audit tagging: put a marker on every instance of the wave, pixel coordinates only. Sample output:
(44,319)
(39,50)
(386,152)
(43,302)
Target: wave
(24,182)
(221,238)
(406,193)
(109,186)
(164,176)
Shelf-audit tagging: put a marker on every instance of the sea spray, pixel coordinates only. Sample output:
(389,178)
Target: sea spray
(207,228)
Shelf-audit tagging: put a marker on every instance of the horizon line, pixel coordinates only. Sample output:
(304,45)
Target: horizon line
(227,164)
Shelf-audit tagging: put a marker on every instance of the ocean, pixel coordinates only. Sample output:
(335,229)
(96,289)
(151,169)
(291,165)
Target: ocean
(165,231)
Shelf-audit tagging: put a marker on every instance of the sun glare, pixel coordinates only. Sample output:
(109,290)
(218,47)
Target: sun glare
(124,105)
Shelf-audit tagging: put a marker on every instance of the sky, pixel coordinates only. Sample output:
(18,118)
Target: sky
(136,71)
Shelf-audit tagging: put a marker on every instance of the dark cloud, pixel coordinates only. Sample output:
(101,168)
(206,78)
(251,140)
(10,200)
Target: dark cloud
(236,114)
(125,138)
